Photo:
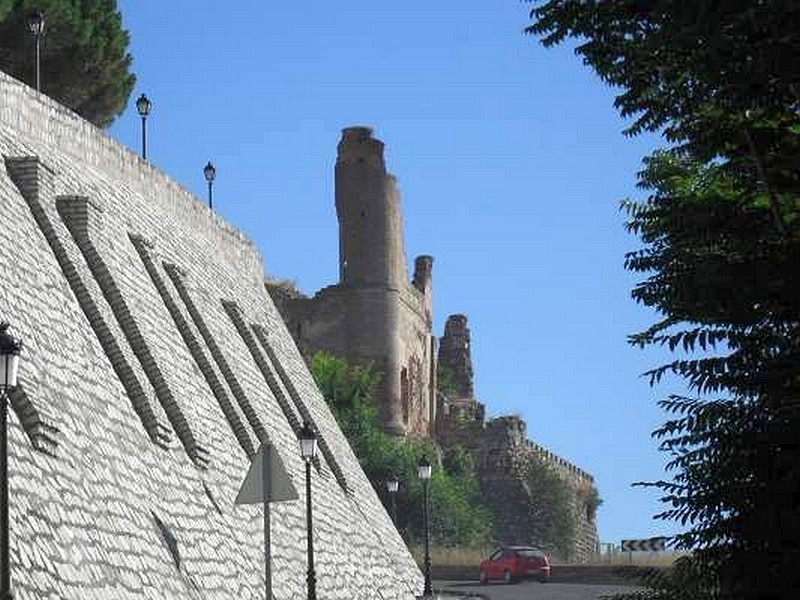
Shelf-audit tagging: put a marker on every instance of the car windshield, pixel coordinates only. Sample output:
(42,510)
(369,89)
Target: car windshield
(529,553)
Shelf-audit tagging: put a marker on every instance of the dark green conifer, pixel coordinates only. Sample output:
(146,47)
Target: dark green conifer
(85,63)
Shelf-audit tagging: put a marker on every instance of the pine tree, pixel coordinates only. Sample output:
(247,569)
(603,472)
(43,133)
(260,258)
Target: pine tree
(84,59)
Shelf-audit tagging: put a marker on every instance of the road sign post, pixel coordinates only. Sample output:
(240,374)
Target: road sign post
(266,481)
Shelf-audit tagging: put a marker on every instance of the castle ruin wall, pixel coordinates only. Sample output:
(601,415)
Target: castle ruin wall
(502,453)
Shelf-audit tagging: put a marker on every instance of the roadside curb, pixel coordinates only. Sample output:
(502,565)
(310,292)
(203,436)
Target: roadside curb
(586,574)
(456,594)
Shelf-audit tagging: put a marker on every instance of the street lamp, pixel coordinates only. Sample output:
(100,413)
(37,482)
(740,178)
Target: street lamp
(35,22)
(143,108)
(308,450)
(424,473)
(210,173)
(391,486)
(9,364)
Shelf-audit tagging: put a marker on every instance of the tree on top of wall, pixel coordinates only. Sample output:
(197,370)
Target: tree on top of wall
(552,509)
(85,63)
(592,502)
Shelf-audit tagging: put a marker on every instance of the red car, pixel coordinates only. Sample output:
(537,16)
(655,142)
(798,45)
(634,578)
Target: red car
(515,562)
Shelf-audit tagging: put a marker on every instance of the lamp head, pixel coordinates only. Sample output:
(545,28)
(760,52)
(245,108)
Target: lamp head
(209,171)
(424,468)
(10,349)
(392,484)
(308,442)
(143,105)
(35,22)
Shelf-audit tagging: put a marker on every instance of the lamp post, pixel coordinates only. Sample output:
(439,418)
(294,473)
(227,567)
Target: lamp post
(9,364)
(210,174)
(424,473)
(391,486)
(308,450)
(143,106)
(35,22)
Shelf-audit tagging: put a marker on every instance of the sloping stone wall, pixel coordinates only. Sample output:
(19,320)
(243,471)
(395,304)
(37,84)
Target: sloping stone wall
(154,365)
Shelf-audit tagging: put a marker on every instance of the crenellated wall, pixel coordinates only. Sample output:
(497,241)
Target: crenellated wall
(154,366)
(503,455)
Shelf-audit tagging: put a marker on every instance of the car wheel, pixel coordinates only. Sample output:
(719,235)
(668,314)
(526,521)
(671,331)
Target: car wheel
(507,577)
(484,578)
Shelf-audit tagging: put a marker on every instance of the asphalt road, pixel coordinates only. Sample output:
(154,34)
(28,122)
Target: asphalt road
(533,590)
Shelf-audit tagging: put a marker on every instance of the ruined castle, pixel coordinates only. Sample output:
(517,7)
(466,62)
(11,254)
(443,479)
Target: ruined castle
(154,366)
(376,315)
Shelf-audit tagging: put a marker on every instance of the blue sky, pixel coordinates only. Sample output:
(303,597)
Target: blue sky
(511,164)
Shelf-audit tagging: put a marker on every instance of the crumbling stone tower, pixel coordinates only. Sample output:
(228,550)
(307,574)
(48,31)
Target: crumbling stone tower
(454,356)
(374,314)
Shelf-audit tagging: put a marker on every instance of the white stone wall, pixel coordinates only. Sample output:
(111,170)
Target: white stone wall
(83,522)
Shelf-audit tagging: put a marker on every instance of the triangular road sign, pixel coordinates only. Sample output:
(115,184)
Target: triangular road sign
(266,480)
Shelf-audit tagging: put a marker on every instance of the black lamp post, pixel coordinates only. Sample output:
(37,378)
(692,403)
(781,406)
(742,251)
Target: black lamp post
(35,22)
(143,106)
(210,174)
(391,486)
(9,364)
(308,450)
(424,473)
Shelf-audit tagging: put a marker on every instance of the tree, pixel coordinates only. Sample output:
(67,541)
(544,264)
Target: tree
(721,252)
(457,517)
(84,59)
(553,510)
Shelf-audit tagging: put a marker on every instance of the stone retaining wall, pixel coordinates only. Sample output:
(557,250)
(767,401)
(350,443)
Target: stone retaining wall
(154,365)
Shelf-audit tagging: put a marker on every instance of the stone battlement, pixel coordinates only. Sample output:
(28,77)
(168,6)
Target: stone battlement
(463,424)
(558,462)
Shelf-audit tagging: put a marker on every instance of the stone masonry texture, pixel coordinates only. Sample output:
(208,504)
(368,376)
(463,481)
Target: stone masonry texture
(154,365)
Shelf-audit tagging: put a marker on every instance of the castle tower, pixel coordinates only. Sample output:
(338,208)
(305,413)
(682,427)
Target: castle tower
(372,267)
(375,315)
(455,360)
(368,207)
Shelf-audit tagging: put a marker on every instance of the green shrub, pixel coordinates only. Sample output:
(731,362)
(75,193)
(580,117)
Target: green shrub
(457,517)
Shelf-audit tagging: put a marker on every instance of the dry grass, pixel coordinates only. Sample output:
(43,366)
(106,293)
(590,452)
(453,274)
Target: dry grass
(452,557)
(471,557)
